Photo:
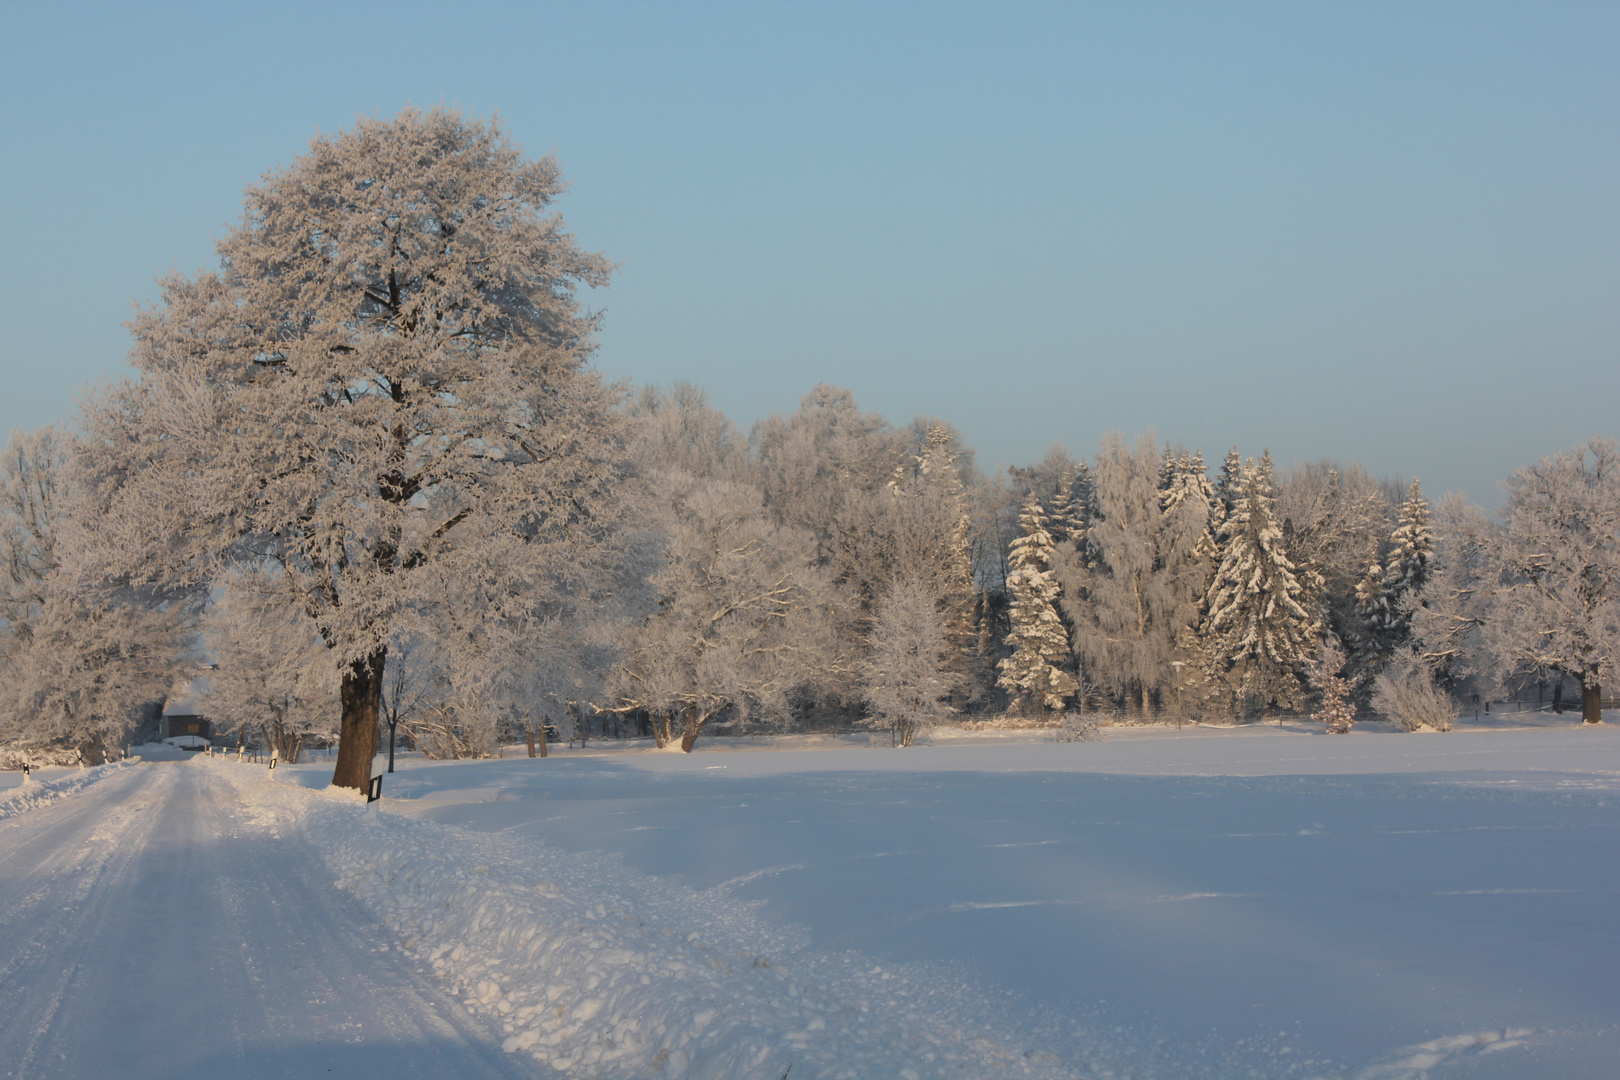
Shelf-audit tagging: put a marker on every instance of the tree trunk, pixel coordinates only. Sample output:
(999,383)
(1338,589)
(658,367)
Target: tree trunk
(361,698)
(1558,696)
(694,726)
(543,750)
(1591,702)
(529,731)
(93,751)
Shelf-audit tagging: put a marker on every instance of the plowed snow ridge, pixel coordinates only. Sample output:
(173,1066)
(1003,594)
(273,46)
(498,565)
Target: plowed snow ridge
(598,972)
(37,793)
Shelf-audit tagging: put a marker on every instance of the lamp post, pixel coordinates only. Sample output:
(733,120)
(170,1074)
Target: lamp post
(1178,665)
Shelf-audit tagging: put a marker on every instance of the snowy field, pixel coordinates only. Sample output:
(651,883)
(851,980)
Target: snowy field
(1265,902)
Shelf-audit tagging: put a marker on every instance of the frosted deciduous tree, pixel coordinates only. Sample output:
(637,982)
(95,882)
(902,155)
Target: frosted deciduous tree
(925,521)
(1338,521)
(32,473)
(271,670)
(810,462)
(826,469)
(1448,629)
(383,392)
(910,670)
(676,429)
(81,652)
(1406,693)
(1136,592)
(1257,635)
(1040,647)
(743,614)
(95,656)
(1558,604)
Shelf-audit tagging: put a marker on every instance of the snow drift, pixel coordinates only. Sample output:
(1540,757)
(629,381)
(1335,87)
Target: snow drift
(37,793)
(599,972)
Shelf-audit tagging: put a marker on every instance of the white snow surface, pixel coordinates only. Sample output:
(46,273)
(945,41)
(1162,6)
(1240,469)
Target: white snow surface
(1265,902)
(48,785)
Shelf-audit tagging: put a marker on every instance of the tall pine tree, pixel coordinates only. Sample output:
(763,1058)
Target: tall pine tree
(1388,591)
(1034,672)
(1259,637)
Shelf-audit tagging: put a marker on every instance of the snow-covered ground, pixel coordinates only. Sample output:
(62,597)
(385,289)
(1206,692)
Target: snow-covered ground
(1246,902)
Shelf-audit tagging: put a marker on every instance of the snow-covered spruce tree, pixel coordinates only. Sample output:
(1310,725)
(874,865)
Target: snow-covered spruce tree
(1337,711)
(1229,484)
(1040,648)
(985,651)
(1411,550)
(744,615)
(1068,519)
(1257,635)
(910,669)
(383,392)
(1558,604)
(1391,588)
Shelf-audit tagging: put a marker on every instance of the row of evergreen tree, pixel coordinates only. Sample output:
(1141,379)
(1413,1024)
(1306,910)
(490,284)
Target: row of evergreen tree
(1153,586)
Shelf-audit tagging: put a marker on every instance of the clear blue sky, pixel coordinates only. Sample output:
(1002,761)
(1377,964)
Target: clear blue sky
(1380,232)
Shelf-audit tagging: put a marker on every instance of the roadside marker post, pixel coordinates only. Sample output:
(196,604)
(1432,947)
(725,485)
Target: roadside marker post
(26,769)
(374,797)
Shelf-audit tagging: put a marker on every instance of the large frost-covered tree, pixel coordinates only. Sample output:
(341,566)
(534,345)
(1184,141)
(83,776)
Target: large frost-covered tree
(1133,592)
(382,392)
(1040,646)
(744,614)
(826,468)
(1558,605)
(82,651)
(1259,640)
(1338,522)
(924,516)
(1448,629)
(910,667)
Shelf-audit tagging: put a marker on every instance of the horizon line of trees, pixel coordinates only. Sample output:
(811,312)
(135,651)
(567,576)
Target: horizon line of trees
(365,477)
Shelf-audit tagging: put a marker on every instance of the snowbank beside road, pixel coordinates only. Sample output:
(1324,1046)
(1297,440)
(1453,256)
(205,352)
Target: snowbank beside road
(596,971)
(36,793)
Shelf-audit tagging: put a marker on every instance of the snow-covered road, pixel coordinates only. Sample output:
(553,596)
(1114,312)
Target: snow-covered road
(151,928)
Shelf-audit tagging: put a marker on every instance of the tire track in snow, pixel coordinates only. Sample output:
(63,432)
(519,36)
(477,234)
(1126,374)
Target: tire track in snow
(166,933)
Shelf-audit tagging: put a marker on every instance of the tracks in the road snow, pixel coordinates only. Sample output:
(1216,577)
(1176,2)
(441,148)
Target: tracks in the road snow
(156,930)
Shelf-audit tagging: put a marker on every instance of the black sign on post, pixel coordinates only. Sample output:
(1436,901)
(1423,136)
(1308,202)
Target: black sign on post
(375,793)
(272,764)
